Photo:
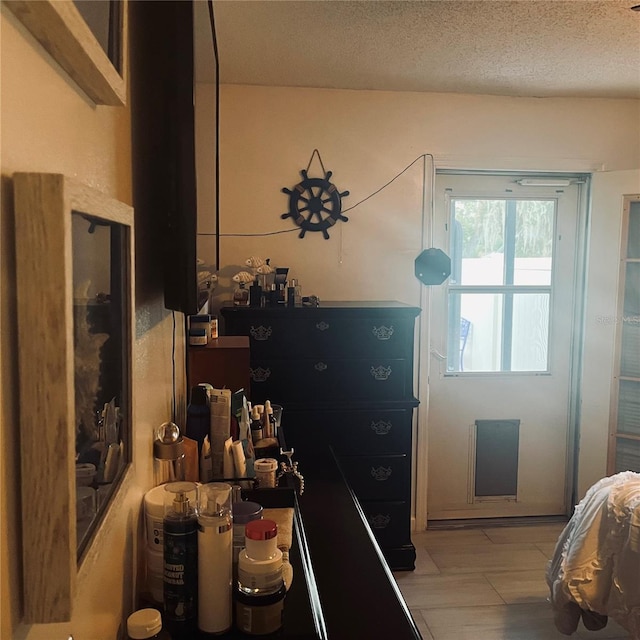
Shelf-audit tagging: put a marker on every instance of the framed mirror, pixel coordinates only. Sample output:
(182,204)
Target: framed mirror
(86,38)
(74,264)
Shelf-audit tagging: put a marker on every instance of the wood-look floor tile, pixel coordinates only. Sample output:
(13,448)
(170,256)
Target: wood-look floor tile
(517,587)
(547,548)
(533,534)
(435,539)
(494,557)
(421,624)
(429,592)
(507,622)
(424,563)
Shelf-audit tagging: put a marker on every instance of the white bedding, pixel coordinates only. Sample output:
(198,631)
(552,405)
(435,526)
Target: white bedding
(596,562)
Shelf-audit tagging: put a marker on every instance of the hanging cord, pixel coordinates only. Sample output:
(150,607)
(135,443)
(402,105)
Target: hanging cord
(217,152)
(173,368)
(422,156)
(316,152)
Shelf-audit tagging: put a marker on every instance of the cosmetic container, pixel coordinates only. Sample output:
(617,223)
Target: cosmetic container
(260,591)
(215,557)
(168,454)
(180,592)
(242,512)
(255,294)
(198,337)
(265,470)
(257,431)
(198,423)
(241,295)
(146,624)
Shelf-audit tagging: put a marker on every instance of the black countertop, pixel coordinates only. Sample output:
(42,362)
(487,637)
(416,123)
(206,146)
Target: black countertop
(342,587)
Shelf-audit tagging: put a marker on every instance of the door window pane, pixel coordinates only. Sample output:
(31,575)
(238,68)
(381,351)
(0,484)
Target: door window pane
(530,334)
(500,289)
(478,242)
(534,242)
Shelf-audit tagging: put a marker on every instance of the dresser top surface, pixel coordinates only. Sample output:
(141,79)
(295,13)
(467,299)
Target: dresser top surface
(356,306)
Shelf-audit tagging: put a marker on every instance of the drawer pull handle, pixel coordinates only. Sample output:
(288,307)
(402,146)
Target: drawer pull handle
(259,374)
(382,333)
(260,333)
(381,373)
(380,521)
(322,326)
(381,428)
(381,473)
(320,366)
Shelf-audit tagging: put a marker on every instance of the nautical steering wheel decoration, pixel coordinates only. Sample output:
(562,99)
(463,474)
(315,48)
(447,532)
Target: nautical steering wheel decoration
(315,204)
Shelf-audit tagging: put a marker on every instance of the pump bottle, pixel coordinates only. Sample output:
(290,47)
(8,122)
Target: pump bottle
(215,557)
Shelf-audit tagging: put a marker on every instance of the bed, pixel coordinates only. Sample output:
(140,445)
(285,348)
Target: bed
(594,574)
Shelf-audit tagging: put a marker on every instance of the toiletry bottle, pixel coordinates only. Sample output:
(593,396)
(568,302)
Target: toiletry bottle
(256,425)
(146,624)
(255,294)
(269,425)
(291,293)
(180,593)
(168,454)
(259,596)
(198,416)
(215,557)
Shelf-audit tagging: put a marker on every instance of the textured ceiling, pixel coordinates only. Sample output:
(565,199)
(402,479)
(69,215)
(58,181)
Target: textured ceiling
(587,48)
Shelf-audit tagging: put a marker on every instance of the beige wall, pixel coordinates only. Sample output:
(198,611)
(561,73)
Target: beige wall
(366,138)
(267,136)
(49,125)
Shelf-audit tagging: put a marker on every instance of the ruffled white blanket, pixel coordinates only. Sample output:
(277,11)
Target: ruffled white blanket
(596,562)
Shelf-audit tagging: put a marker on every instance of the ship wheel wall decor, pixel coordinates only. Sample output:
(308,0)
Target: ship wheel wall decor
(315,204)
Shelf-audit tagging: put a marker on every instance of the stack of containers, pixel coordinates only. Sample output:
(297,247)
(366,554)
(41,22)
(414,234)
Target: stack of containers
(154,513)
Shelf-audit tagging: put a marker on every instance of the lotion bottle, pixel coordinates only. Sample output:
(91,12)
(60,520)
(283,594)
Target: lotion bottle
(215,557)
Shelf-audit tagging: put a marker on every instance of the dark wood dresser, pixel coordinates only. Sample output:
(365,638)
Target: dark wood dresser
(343,372)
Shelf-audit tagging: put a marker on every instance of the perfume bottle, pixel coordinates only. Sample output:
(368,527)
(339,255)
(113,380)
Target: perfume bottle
(180,541)
(241,295)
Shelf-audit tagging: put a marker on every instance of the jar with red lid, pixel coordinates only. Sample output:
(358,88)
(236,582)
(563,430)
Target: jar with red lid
(260,591)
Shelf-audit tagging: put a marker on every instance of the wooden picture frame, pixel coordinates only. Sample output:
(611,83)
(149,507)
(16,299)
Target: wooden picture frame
(60,28)
(45,204)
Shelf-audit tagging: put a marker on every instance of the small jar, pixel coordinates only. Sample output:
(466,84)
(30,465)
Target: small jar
(260,591)
(146,624)
(265,469)
(243,512)
(198,337)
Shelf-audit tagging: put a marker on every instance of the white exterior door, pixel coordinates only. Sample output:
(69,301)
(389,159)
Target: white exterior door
(501,346)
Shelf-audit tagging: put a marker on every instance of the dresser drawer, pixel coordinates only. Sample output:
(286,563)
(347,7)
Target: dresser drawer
(326,335)
(353,431)
(378,477)
(389,521)
(331,379)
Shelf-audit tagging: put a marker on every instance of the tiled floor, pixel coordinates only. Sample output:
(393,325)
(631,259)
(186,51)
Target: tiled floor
(487,584)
